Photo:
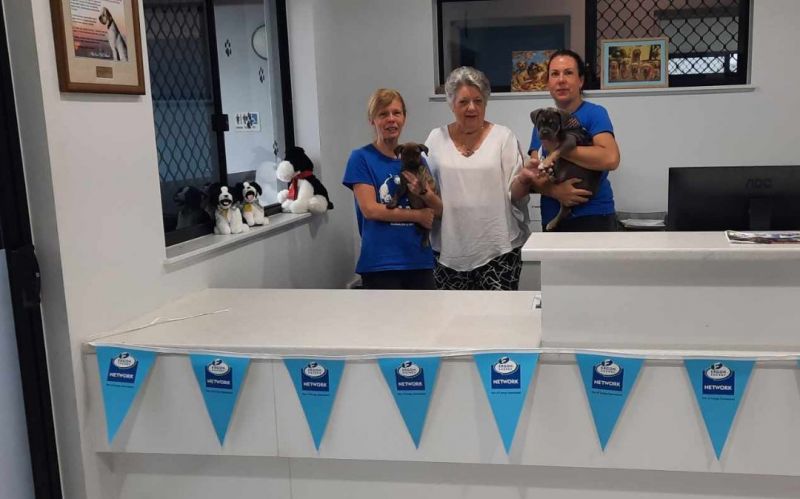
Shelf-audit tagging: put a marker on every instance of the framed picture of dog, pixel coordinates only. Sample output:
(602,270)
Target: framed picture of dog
(634,63)
(98,46)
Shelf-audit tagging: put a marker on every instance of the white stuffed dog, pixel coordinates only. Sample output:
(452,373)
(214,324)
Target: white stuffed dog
(305,193)
(247,194)
(227,217)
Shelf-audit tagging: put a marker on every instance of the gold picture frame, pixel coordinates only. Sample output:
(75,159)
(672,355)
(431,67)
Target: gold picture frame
(98,46)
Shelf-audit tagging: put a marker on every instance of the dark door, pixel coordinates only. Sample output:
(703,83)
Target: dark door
(22,353)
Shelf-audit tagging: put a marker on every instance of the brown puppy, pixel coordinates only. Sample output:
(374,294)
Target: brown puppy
(561,127)
(410,154)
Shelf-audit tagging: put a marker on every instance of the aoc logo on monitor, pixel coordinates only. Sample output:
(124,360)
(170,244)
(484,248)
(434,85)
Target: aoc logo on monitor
(719,379)
(219,375)
(758,183)
(122,369)
(409,377)
(314,378)
(505,374)
(608,375)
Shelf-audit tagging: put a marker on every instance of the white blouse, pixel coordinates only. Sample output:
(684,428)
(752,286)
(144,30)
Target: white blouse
(479,220)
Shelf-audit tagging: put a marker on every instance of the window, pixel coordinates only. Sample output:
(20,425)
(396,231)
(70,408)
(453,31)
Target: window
(221,102)
(708,39)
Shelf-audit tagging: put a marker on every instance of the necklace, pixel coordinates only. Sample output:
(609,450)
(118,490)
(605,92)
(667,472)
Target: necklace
(463,147)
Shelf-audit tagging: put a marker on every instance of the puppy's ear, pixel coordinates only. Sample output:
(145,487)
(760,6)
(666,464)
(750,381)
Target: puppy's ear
(565,117)
(535,115)
(422,148)
(258,187)
(399,150)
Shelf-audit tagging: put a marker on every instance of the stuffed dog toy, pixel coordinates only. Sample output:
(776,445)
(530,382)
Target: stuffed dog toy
(410,154)
(227,217)
(246,195)
(189,201)
(305,193)
(119,48)
(563,128)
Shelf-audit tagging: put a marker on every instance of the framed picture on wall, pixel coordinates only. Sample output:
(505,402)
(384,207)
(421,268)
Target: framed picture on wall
(529,72)
(98,46)
(634,63)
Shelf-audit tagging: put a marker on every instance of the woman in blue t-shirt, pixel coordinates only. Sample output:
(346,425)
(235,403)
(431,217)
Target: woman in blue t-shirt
(592,211)
(393,255)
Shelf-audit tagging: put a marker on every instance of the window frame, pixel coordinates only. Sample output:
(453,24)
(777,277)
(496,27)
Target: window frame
(219,120)
(592,82)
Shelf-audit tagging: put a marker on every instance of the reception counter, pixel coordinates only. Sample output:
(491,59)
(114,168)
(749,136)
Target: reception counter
(666,290)
(640,291)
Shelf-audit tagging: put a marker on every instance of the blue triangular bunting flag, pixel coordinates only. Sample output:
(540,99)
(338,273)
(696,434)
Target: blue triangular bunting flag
(506,378)
(316,382)
(608,382)
(411,381)
(718,386)
(219,379)
(122,371)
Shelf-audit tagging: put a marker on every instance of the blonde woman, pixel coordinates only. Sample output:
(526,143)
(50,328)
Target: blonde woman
(392,254)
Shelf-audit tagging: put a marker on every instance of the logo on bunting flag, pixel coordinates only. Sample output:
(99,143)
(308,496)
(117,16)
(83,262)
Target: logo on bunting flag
(316,383)
(608,375)
(219,379)
(411,382)
(219,376)
(409,377)
(122,373)
(314,378)
(718,387)
(506,378)
(608,382)
(122,369)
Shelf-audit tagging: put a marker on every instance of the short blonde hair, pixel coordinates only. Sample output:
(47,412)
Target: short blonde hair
(382,98)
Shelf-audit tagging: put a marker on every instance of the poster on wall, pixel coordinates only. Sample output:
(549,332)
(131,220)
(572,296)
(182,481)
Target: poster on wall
(529,72)
(98,46)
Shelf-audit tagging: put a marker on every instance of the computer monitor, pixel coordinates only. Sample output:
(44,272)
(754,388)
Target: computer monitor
(734,197)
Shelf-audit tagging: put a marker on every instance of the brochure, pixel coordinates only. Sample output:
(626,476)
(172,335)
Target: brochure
(762,237)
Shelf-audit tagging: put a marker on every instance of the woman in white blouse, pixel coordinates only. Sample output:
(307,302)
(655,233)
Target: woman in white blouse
(482,228)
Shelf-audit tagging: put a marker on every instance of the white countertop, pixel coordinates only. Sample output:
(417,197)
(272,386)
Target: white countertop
(338,322)
(649,246)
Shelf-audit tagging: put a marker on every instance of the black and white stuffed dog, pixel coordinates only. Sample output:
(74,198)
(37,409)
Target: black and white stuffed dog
(305,193)
(227,217)
(189,201)
(247,196)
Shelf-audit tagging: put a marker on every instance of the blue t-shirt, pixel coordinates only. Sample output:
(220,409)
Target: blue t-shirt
(595,120)
(384,245)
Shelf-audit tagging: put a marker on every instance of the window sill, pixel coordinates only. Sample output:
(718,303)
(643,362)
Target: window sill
(180,254)
(628,92)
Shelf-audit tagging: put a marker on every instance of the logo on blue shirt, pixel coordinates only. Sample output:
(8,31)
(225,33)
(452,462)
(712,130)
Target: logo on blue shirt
(607,375)
(122,369)
(505,374)
(719,379)
(409,377)
(219,376)
(314,378)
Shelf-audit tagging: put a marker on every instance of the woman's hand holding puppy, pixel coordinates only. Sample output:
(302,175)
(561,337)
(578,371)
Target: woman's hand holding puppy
(531,178)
